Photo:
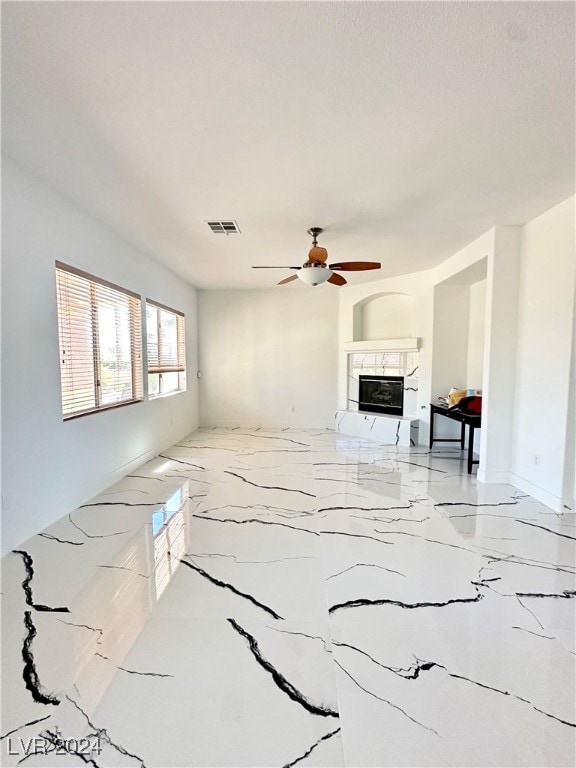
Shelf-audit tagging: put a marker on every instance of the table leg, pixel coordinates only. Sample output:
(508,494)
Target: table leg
(470,448)
(431,427)
(462,436)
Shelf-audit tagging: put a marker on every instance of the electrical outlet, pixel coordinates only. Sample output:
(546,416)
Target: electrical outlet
(293,409)
(536,459)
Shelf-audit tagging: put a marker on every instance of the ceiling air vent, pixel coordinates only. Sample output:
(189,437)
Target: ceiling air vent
(228,227)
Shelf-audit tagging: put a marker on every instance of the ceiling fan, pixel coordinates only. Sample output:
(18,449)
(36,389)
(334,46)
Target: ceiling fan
(316,271)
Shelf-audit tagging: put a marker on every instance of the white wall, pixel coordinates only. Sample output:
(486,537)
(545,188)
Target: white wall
(499,374)
(51,466)
(264,352)
(388,317)
(450,350)
(545,331)
(476,329)
(459,326)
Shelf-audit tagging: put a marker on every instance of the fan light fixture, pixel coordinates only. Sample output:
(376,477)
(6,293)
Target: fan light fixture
(316,271)
(314,274)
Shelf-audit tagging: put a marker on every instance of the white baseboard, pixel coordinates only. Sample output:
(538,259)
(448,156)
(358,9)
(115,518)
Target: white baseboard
(241,424)
(494,476)
(89,491)
(556,503)
(15,536)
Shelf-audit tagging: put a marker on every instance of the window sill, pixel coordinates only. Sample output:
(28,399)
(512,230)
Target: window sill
(166,394)
(110,407)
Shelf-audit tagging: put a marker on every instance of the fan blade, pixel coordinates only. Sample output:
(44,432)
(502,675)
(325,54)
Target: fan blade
(337,280)
(288,279)
(268,267)
(317,253)
(355,266)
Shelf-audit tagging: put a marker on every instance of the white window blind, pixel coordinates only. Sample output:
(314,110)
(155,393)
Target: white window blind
(166,347)
(100,335)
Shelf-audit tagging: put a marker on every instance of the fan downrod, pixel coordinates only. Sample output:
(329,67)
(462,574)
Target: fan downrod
(314,232)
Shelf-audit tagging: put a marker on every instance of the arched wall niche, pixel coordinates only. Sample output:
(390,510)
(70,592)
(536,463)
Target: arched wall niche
(387,315)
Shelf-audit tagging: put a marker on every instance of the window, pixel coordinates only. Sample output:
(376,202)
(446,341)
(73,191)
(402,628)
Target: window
(166,350)
(100,335)
(392,363)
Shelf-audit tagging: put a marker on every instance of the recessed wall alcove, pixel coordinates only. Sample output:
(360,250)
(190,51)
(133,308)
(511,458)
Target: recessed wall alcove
(384,316)
(459,337)
(383,345)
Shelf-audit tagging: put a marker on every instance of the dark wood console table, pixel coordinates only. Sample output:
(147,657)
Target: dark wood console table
(472,420)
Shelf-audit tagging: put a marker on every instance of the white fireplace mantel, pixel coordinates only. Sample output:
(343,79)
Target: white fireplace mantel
(383,345)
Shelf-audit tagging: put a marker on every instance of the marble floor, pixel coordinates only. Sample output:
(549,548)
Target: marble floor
(281,598)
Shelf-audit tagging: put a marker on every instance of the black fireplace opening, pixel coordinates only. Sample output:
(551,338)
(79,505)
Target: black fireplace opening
(382,394)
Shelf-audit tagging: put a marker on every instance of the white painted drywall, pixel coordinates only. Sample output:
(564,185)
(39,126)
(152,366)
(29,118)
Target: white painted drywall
(499,374)
(51,466)
(390,316)
(545,328)
(264,352)
(450,348)
(476,329)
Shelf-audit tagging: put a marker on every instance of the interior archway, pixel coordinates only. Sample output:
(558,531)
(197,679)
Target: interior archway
(384,316)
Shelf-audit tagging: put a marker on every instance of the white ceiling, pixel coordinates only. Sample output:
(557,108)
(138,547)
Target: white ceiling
(404,129)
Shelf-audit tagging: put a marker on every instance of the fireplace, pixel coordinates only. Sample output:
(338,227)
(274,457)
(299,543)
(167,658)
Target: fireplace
(382,394)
